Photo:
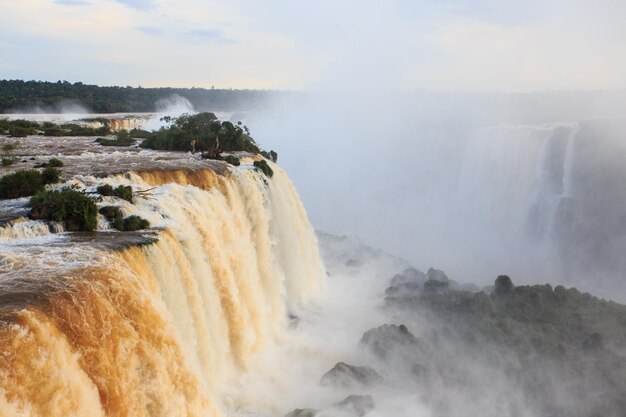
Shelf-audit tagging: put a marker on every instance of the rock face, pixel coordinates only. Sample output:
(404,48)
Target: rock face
(386,340)
(357,405)
(302,412)
(350,376)
(411,281)
(535,341)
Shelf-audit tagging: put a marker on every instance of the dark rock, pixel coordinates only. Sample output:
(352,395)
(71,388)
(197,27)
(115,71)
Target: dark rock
(357,404)
(406,289)
(419,371)
(437,275)
(302,412)
(385,340)
(503,285)
(408,276)
(407,283)
(593,343)
(436,286)
(344,375)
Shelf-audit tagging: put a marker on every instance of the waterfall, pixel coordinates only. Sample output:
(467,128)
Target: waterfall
(158,329)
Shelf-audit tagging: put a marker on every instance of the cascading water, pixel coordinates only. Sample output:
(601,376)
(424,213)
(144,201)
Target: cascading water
(161,329)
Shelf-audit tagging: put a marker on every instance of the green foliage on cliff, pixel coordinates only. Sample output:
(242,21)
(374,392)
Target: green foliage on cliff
(201,130)
(233,160)
(77,210)
(264,167)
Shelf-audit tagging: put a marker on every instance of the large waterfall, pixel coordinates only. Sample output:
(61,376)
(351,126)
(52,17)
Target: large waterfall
(94,327)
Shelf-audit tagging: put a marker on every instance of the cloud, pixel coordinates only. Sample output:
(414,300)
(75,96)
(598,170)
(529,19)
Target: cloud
(212,34)
(138,4)
(72,2)
(149,30)
(206,33)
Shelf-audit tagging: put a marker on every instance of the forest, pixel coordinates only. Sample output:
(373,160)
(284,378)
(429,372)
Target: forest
(18,96)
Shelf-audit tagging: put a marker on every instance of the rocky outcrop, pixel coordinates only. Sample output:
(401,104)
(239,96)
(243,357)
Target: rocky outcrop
(357,405)
(350,376)
(302,412)
(385,341)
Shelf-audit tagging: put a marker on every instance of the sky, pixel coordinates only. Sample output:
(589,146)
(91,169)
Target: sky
(449,45)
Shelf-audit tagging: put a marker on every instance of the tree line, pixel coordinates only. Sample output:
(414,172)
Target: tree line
(27,96)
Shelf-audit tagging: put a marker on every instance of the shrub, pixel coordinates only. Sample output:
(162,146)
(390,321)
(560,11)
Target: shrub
(76,209)
(8,147)
(110,212)
(55,163)
(114,216)
(264,167)
(140,134)
(123,191)
(233,160)
(50,175)
(115,142)
(105,190)
(6,161)
(129,224)
(20,132)
(22,183)
(132,223)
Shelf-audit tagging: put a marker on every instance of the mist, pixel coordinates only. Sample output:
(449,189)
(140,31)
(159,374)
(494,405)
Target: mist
(447,179)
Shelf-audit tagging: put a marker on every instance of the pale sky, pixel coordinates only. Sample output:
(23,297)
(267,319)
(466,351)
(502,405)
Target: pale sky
(453,45)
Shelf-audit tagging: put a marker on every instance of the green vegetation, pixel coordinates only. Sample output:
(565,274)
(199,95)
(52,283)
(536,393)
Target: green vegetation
(25,183)
(75,208)
(233,160)
(132,223)
(20,128)
(6,161)
(123,191)
(8,147)
(201,132)
(22,95)
(122,138)
(264,167)
(50,175)
(54,163)
(73,129)
(140,134)
(129,224)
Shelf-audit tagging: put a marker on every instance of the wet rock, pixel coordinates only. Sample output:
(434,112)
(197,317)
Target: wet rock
(408,283)
(593,343)
(503,285)
(344,375)
(358,405)
(435,286)
(437,275)
(302,412)
(408,276)
(386,340)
